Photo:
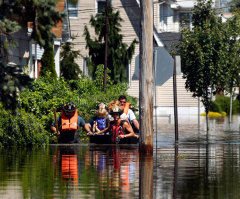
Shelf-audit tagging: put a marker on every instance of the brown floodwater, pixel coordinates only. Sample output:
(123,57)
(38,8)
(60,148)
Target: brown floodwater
(200,165)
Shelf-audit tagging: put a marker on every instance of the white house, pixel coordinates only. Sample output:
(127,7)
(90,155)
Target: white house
(168,15)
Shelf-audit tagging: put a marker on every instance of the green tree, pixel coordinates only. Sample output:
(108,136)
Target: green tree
(13,16)
(69,68)
(119,53)
(203,52)
(48,64)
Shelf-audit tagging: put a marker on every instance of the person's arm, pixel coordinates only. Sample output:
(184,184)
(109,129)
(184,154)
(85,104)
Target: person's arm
(87,129)
(82,123)
(54,129)
(133,119)
(102,131)
(136,124)
(128,127)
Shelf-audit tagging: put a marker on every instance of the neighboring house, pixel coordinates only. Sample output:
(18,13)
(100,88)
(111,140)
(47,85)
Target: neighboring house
(28,54)
(168,18)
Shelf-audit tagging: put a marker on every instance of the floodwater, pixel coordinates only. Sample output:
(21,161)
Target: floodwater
(201,165)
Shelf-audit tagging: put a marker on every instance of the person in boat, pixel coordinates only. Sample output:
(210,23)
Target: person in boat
(119,129)
(128,112)
(69,123)
(100,123)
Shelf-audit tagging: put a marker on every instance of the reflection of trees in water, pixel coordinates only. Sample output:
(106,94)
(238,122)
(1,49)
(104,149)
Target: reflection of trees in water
(66,171)
(210,171)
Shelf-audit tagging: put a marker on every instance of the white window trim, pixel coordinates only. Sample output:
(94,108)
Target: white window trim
(96,5)
(69,9)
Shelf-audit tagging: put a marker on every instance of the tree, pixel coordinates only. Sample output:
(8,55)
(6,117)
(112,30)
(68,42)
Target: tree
(203,52)
(13,16)
(232,25)
(48,64)
(119,53)
(69,68)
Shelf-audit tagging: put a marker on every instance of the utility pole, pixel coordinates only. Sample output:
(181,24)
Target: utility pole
(146,78)
(175,100)
(106,50)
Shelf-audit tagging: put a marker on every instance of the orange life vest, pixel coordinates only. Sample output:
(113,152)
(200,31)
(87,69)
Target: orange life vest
(69,123)
(126,108)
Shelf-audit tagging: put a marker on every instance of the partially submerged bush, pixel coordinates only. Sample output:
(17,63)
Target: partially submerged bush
(222,104)
(86,94)
(21,129)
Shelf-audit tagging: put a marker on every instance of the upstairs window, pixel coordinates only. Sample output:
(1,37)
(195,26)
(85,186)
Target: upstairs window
(101,4)
(163,12)
(73,8)
(185,20)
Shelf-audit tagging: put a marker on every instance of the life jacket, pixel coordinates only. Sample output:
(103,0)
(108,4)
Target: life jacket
(101,123)
(126,108)
(69,123)
(116,130)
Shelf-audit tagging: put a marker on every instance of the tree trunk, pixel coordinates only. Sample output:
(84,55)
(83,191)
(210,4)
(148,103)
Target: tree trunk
(230,108)
(146,77)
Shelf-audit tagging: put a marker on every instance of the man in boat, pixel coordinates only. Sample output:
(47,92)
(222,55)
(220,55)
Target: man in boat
(128,112)
(69,123)
(120,129)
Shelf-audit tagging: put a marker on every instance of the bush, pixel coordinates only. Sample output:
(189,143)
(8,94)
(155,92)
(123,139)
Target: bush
(45,93)
(222,104)
(48,63)
(215,107)
(21,129)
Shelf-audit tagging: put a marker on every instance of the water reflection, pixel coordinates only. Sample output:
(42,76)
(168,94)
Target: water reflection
(202,165)
(70,171)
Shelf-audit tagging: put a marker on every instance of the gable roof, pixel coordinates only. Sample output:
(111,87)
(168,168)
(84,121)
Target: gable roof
(170,40)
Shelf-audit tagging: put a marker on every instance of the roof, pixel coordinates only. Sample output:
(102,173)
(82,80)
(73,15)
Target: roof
(170,40)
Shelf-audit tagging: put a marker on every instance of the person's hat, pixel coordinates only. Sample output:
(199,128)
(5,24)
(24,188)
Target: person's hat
(116,109)
(69,107)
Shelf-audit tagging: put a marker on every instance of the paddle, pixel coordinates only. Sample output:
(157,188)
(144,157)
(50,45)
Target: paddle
(56,122)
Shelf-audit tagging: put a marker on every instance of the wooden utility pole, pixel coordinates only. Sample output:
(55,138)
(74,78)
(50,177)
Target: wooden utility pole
(106,50)
(146,77)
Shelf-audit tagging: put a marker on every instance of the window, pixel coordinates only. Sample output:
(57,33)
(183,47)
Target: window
(185,20)
(101,4)
(163,16)
(72,8)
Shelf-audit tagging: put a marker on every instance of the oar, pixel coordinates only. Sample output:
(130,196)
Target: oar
(56,122)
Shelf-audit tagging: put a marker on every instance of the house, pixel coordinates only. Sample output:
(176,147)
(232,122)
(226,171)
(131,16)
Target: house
(168,18)
(28,54)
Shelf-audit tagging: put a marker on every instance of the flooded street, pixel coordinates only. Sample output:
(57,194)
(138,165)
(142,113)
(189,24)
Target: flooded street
(202,165)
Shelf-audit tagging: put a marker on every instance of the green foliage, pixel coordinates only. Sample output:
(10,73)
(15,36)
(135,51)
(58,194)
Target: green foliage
(48,64)
(215,107)
(203,53)
(119,53)
(86,94)
(69,68)
(233,64)
(12,81)
(222,104)
(21,129)
(15,15)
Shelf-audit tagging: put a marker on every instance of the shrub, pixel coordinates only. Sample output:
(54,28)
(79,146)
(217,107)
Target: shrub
(21,129)
(222,104)
(45,93)
(48,63)
(215,107)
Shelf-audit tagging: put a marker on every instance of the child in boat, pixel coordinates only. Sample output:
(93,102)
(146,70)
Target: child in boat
(100,123)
